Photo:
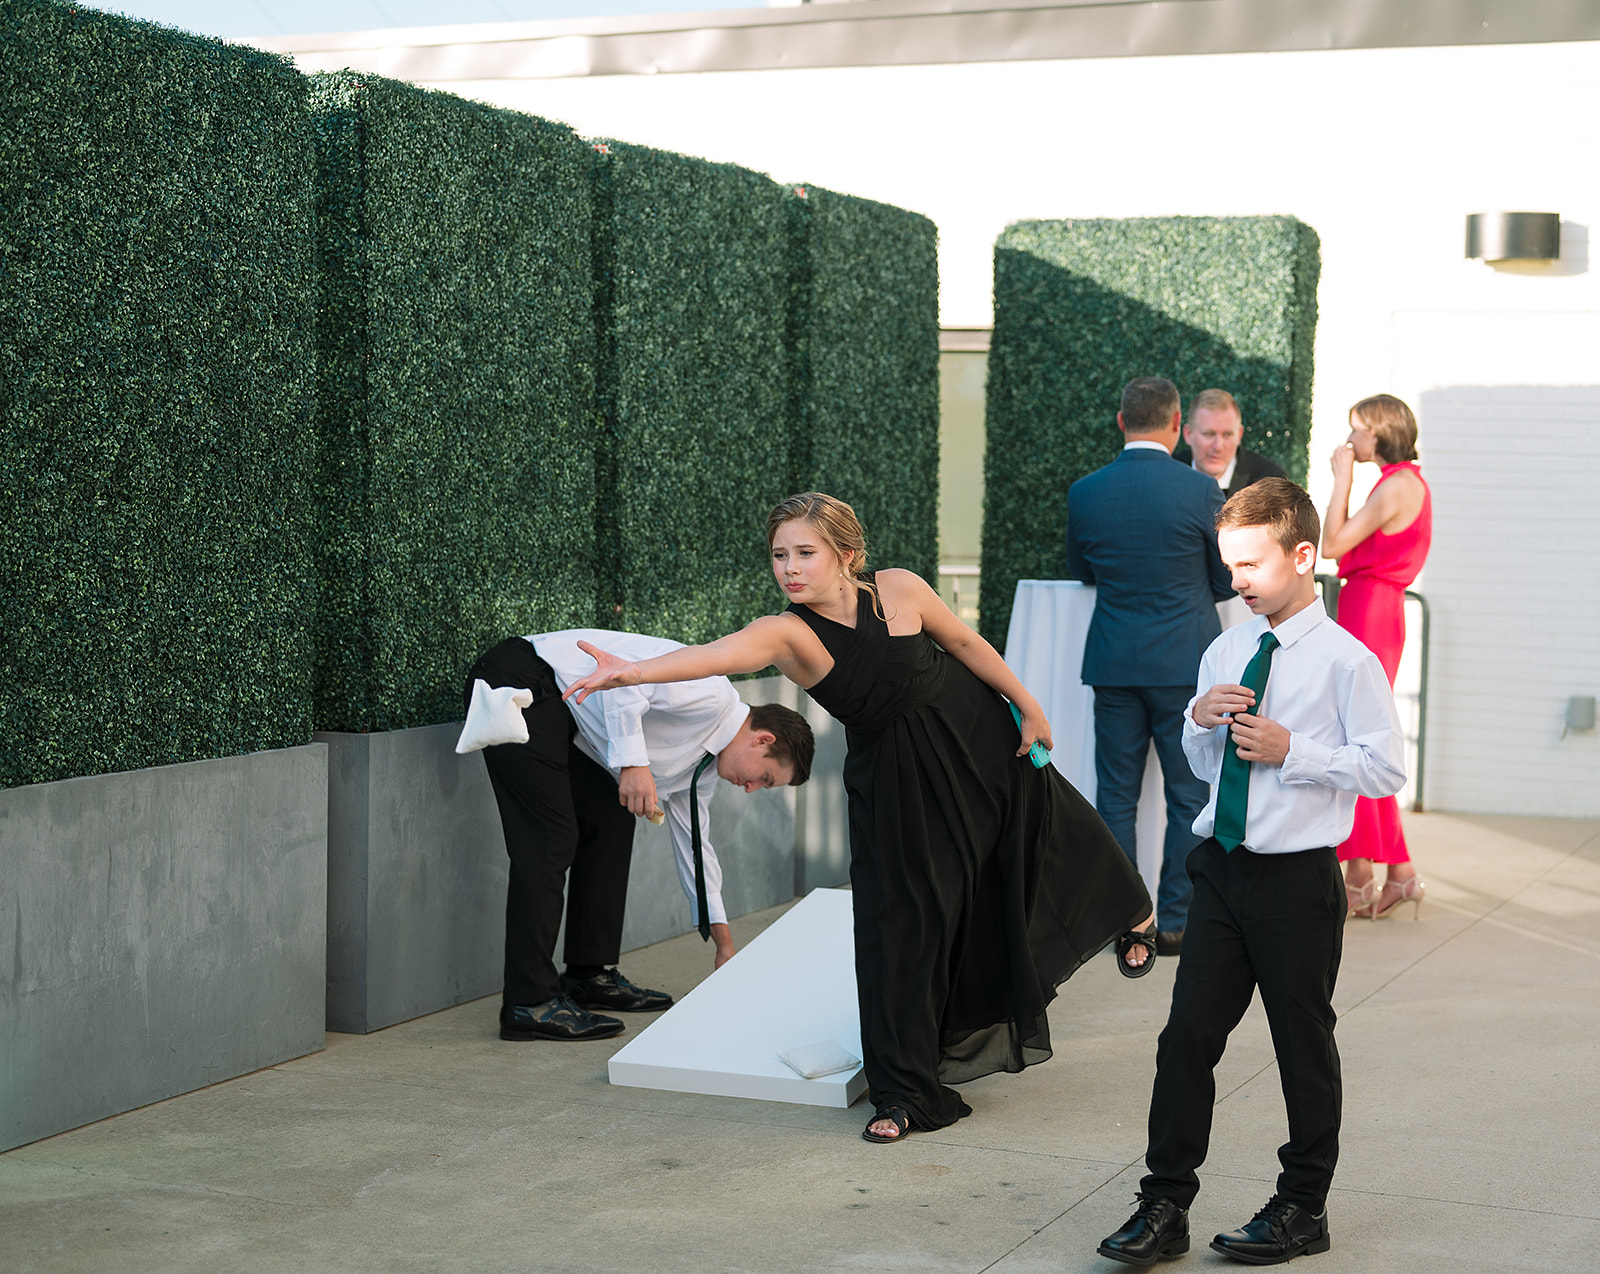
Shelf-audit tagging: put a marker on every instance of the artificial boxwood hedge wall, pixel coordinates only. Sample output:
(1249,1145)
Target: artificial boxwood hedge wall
(1081,308)
(865,371)
(456,335)
(156,366)
(691,283)
(301,392)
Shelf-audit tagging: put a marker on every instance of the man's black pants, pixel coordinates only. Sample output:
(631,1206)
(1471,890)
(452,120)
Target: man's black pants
(1273,921)
(560,813)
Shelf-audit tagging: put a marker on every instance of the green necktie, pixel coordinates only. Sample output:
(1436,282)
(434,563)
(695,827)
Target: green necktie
(1233,786)
(699,855)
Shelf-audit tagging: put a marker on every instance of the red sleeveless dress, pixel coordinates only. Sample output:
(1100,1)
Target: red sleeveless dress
(1376,574)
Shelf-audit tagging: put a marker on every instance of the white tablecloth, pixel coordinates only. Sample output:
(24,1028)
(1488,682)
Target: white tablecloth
(1044,647)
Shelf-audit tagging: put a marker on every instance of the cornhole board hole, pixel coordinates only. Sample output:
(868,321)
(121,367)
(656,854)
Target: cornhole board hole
(793,986)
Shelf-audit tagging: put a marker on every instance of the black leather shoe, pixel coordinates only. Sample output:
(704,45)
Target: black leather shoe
(1279,1232)
(1157,1231)
(557,1018)
(1169,942)
(608,989)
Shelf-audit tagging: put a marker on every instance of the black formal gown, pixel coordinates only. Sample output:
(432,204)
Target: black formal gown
(980,882)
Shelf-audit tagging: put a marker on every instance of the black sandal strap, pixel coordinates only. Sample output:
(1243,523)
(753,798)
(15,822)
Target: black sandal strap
(897,1115)
(1135,937)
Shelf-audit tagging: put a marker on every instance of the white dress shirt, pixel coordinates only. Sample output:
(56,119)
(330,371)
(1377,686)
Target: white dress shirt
(1330,692)
(668,727)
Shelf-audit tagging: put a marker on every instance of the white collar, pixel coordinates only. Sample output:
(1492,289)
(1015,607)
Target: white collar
(1142,445)
(1225,477)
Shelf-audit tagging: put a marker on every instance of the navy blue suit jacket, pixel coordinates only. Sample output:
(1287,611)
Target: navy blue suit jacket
(1141,530)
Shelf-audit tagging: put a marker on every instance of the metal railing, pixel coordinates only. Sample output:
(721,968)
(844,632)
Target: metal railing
(959,585)
(1331,584)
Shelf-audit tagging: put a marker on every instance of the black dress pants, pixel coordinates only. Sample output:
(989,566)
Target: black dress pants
(1273,921)
(563,825)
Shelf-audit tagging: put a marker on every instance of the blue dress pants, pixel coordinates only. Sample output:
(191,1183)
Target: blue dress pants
(1126,720)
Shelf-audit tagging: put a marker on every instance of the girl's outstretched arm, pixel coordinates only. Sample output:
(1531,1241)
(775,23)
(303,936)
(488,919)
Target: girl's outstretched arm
(759,645)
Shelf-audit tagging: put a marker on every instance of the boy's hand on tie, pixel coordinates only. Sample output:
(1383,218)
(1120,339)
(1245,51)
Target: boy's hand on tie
(1220,703)
(1260,739)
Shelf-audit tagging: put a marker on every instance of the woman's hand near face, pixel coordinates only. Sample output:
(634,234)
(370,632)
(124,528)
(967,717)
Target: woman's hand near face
(1343,463)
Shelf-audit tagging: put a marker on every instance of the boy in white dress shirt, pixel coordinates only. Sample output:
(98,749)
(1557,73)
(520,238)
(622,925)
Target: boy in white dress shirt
(1309,714)
(569,799)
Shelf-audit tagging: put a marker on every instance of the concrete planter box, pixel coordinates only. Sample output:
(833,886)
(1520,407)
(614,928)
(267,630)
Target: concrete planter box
(416,877)
(417,868)
(162,930)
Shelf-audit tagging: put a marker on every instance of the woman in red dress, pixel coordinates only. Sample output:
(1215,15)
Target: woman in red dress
(1380,549)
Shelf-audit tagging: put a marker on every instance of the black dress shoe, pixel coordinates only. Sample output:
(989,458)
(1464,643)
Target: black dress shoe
(557,1018)
(1279,1232)
(1157,1231)
(608,989)
(1169,942)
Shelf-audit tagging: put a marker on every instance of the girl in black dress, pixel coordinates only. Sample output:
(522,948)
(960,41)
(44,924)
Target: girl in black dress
(980,882)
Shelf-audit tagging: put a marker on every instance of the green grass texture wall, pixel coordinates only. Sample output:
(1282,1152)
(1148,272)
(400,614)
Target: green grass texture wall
(692,285)
(1081,308)
(865,372)
(156,369)
(456,336)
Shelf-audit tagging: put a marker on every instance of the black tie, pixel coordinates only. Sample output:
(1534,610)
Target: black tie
(694,842)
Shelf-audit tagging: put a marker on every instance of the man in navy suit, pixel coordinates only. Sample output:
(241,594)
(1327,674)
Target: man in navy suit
(1142,531)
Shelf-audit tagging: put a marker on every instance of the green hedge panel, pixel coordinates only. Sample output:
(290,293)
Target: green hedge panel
(865,338)
(1081,308)
(691,282)
(457,404)
(156,355)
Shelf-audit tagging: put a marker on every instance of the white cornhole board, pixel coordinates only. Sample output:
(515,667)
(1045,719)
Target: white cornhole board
(793,985)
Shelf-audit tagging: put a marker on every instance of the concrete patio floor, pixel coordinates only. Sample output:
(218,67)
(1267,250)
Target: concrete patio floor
(1471,1140)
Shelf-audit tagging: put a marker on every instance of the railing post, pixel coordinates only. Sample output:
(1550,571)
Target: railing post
(1422,703)
(1331,584)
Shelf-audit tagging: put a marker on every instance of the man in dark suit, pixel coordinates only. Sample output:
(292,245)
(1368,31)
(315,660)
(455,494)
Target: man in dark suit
(1213,432)
(1141,530)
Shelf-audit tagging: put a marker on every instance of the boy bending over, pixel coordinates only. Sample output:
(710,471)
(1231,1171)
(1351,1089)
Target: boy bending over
(1293,719)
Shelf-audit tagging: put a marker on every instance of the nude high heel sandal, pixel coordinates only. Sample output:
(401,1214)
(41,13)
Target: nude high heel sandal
(1410,891)
(1360,901)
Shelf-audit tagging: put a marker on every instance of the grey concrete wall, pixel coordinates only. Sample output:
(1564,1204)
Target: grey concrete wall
(417,866)
(822,839)
(160,930)
(416,877)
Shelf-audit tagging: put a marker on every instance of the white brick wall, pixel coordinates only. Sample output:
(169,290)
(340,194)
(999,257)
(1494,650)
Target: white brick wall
(1514,584)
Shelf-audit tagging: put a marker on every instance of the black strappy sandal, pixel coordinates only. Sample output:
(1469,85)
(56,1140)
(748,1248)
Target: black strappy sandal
(1145,938)
(895,1115)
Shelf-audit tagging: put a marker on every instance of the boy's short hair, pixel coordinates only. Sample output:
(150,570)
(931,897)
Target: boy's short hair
(1280,506)
(792,740)
(1148,404)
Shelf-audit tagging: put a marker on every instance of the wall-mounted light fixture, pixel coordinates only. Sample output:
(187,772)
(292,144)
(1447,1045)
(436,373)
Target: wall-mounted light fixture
(1580,714)
(1514,236)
